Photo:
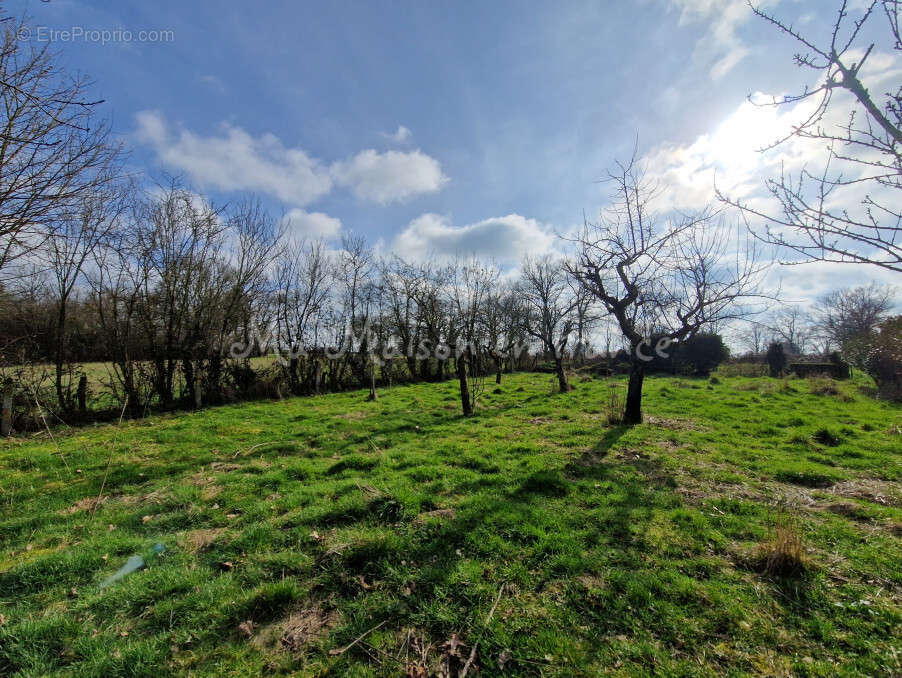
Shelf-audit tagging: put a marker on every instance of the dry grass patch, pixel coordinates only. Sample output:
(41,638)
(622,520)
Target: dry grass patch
(437,514)
(295,632)
(354,415)
(783,555)
(881,492)
(674,424)
(86,504)
(200,540)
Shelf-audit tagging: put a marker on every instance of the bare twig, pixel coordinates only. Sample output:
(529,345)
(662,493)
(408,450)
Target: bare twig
(109,460)
(469,663)
(341,650)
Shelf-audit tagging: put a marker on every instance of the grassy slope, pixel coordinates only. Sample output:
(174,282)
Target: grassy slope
(620,551)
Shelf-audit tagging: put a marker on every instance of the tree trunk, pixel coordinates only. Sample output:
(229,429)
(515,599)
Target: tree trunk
(6,421)
(59,356)
(464,386)
(632,414)
(373,395)
(190,381)
(198,391)
(498,365)
(83,393)
(561,375)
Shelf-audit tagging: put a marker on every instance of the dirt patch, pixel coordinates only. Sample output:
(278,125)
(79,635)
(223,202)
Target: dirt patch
(848,510)
(439,514)
(90,503)
(208,488)
(674,424)
(881,492)
(590,582)
(540,420)
(200,540)
(587,459)
(86,504)
(306,626)
(630,455)
(353,416)
(699,491)
(294,633)
(223,467)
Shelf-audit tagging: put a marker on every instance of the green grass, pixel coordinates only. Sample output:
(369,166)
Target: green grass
(291,528)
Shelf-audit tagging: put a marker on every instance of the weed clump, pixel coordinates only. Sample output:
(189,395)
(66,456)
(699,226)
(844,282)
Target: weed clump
(805,479)
(614,407)
(783,555)
(826,437)
(823,386)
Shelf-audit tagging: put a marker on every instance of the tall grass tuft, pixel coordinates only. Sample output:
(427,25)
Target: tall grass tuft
(614,406)
(783,555)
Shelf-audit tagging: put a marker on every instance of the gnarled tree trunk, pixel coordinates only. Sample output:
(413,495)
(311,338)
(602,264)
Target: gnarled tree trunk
(632,413)
(464,385)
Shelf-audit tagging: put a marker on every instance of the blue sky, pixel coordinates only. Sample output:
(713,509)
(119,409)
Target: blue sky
(424,125)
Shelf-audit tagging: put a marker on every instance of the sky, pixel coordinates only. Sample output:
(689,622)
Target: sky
(474,127)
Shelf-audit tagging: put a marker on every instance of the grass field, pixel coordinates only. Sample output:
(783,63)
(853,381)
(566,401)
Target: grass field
(549,541)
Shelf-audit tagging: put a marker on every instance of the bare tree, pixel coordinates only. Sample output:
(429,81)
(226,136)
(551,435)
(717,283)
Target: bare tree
(754,337)
(585,319)
(853,313)
(791,326)
(551,318)
(76,236)
(470,286)
(54,152)
(354,275)
(665,277)
(400,281)
(817,220)
(302,279)
(433,309)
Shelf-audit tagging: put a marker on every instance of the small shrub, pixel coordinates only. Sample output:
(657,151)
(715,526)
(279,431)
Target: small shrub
(546,483)
(786,386)
(826,437)
(822,386)
(776,359)
(714,380)
(742,369)
(805,479)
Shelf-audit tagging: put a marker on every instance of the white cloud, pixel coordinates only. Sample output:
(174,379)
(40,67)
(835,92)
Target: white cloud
(393,176)
(311,224)
(401,136)
(685,173)
(235,160)
(721,43)
(505,239)
(213,82)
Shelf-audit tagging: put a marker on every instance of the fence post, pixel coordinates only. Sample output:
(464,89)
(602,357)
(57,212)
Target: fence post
(6,423)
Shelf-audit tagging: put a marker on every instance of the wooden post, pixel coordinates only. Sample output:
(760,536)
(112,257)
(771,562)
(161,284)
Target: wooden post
(6,423)
(83,393)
